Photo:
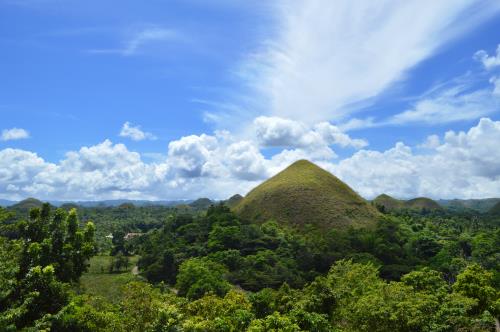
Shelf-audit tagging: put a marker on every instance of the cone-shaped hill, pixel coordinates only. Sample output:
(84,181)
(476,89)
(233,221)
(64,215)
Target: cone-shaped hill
(304,194)
(388,203)
(233,201)
(27,204)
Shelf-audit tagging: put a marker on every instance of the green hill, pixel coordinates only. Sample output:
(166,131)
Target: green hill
(27,204)
(422,203)
(387,203)
(201,204)
(495,210)
(233,201)
(480,205)
(304,194)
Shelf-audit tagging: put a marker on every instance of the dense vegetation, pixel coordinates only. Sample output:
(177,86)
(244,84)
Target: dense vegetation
(413,268)
(50,252)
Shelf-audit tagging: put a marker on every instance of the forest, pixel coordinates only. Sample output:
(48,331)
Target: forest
(215,271)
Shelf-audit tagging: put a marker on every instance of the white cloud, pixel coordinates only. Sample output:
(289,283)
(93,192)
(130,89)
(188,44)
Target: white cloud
(14,134)
(140,39)
(135,133)
(457,103)
(459,164)
(192,156)
(279,132)
(496,83)
(489,62)
(465,165)
(329,56)
(431,142)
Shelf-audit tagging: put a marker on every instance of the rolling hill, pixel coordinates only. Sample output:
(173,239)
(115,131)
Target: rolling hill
(480,205)
(422,203)
(27,204)
(305,194)
(389,203)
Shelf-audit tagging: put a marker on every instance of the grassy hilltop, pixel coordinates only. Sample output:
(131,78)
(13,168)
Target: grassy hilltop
(304,194)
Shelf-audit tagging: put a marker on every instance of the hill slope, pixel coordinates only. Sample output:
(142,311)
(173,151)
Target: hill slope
(233,201)
(27,204)
(304,194)
(388,203)
(422,203)
(495,210)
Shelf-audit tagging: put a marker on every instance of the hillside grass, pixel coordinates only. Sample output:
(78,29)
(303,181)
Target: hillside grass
(418,204)
(306,194)
(99,282)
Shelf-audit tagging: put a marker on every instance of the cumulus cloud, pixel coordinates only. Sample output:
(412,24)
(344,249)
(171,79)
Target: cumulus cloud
(327,58)
(465,165)
(135,133)
(14,134)
(192,156)
(431,142)
(462,164)
(489,62)
(279,132)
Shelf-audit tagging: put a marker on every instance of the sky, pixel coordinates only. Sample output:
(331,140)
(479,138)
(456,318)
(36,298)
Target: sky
(180,99)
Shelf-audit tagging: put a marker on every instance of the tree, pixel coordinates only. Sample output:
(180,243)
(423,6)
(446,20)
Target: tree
(475,282)
(53,251)
(198,276)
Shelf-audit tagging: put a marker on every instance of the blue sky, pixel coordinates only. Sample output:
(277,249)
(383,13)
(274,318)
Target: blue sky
(182,99)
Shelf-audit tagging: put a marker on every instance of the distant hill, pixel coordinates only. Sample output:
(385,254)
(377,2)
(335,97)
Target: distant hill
(304,194)
(27,204)
(233,201)
(69,206)
(201,204)
(422,203)
(480,205)
(495,210)
(104,203)
(387,203)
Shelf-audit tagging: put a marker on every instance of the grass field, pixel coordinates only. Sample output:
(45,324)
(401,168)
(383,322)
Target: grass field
(98,281)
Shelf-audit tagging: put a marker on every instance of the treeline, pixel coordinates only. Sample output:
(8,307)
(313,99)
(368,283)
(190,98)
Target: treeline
(267,255)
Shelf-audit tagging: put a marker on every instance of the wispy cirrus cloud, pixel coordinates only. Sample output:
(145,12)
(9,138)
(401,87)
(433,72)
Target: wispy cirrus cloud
(465,98)
(451,105)
(326,59)
(139,39)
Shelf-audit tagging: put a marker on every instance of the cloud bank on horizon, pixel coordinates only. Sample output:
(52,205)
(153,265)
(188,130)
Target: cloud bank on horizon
(316,87)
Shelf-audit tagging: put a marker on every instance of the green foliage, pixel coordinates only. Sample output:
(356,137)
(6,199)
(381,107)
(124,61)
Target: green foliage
(198,276)
(52,251)
(475,282)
